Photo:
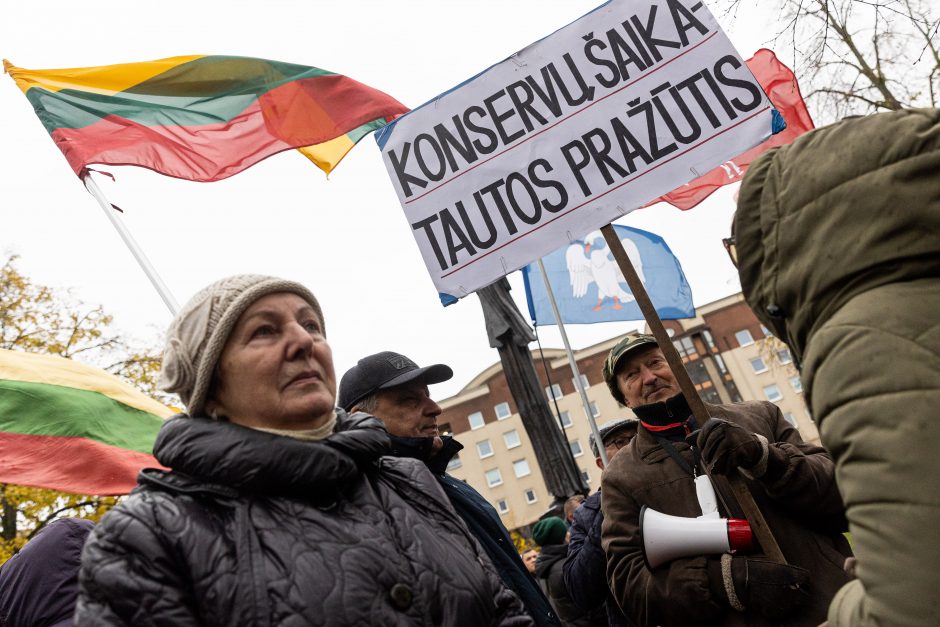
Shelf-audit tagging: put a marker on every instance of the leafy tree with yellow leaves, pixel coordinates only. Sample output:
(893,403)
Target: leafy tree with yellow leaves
(39,319)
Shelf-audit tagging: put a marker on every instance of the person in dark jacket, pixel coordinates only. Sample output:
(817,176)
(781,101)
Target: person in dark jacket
(585,566)
(551,534)
(278,509)
(39,585)
(791,481)
(394,389)
(571,505)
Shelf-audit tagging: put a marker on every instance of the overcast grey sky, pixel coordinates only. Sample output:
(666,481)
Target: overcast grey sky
(346,236)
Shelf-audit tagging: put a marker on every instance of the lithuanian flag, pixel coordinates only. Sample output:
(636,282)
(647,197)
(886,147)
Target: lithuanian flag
(72,427)
(202,118)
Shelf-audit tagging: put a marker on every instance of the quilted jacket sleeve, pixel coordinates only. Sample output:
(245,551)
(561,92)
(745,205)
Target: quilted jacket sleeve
(128,576)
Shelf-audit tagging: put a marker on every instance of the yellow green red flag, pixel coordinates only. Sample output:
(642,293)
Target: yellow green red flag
(72,427)
(202,118)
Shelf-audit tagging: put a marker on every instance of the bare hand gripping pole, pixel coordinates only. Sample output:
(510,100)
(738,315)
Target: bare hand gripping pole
(741,493)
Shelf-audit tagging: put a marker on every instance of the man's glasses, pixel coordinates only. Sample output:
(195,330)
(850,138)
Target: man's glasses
(619,442)
(732,249)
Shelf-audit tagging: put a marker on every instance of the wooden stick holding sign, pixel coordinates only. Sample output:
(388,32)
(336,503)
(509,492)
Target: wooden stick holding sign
(741,493)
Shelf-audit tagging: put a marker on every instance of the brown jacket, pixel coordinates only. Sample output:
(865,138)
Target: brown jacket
(802,507)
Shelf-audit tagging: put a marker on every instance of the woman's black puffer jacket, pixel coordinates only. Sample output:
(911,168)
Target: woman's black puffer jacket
(252,528)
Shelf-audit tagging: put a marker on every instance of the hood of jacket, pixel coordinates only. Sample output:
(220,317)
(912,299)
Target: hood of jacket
(248,460)
(548,557)
(841,210)
(39,585)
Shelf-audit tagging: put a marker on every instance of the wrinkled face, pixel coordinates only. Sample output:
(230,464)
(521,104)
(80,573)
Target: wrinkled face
(408,411)
(528,558)
(644,377)
(276,369)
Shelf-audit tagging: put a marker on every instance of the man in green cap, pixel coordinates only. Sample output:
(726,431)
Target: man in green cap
(791,481)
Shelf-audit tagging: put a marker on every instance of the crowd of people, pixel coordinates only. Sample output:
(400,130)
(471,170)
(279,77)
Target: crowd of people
(283,503)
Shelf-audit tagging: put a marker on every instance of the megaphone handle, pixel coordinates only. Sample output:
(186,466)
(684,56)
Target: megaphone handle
(756,518)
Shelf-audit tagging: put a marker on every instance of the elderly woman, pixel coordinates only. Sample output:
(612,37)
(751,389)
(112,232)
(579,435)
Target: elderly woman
(279,509)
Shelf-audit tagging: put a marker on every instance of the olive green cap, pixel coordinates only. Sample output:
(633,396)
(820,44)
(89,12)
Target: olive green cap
(630,342)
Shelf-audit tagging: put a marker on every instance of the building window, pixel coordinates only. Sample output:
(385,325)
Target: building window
(511,438)
(595,411)
(789,418)
(783,356)
(454,462)
(565,419)
(502,506)
(575,446)
(502,411)
(722,368)
(772,392)
(553,392)
(485,449)
(585,476)
(445,429)
(521,468)
(493,478)
(584,382)
(697,372)
(710,395)
(685,347)
(530,496)
(744,337)
(765,331)
(796,384)
(476,420)
(708,339)
(758,365)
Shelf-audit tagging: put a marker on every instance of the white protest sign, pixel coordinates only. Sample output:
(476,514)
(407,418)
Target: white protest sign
(619,107)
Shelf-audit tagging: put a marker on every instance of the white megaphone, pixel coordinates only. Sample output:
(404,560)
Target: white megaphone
(665,538)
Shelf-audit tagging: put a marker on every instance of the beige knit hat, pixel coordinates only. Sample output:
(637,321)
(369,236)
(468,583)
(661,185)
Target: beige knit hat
(198,333)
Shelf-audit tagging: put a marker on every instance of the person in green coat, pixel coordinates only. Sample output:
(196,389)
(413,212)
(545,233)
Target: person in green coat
(837,242)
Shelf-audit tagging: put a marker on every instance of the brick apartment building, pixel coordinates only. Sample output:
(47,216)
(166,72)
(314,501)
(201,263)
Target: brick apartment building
(729,356)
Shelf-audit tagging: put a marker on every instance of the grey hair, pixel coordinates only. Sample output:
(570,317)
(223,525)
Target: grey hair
(368,404)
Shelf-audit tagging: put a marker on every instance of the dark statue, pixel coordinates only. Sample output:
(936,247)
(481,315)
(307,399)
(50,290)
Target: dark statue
(510,334)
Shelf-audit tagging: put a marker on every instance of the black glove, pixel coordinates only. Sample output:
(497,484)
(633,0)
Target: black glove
(725,446)
(768,588)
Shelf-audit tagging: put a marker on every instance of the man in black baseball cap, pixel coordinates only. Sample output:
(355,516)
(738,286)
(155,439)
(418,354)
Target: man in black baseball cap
(394,389)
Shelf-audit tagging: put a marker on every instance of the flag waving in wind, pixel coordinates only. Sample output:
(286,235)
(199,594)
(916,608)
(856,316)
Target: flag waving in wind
(202,118)
(589,287)
(71,427)
(779,83)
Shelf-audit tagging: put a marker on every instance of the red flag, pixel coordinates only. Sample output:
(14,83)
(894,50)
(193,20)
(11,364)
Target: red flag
(781,87)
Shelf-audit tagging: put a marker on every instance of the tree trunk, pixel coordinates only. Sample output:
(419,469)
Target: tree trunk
(510,335)
(8,527)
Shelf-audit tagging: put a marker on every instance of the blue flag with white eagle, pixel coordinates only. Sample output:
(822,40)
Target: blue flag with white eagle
(589,286)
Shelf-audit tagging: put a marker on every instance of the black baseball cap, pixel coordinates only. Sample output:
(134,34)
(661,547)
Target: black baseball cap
(382,371)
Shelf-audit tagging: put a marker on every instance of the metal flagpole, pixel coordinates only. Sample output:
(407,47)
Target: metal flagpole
(574,367)
(139,255)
